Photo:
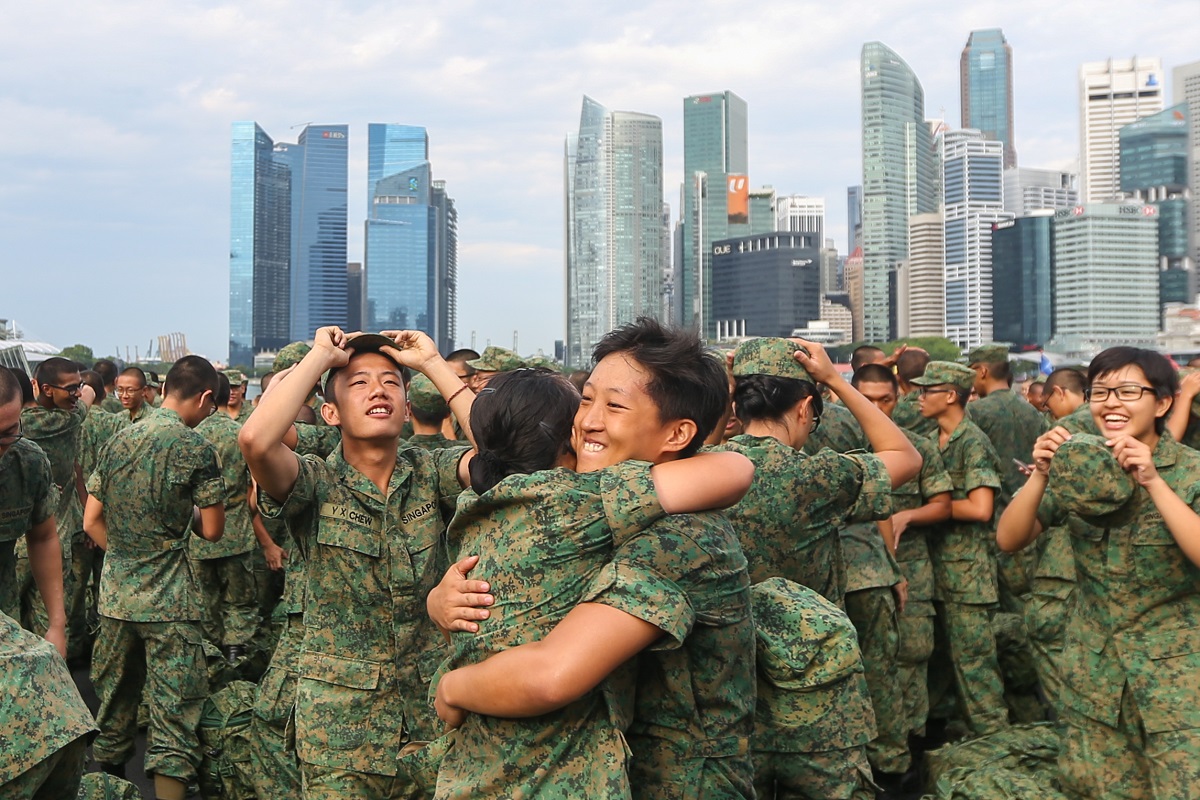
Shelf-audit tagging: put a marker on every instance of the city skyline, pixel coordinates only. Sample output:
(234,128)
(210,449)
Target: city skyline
(143,141)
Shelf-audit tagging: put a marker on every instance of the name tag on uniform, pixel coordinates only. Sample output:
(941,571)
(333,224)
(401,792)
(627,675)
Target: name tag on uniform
(12,514)
(352,515)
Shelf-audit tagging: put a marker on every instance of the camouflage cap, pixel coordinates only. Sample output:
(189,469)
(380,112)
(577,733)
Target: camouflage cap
(236,377)
(424,396)
(290,355)
(496,359)
(769,356)
(988,354)
(1086,478)
(543,362)
(939,372)
(152,379)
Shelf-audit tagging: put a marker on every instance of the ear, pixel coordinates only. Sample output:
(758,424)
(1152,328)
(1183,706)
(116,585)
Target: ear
(407,410)
(204,399)
(679,435)
(1163,405)
(329,413)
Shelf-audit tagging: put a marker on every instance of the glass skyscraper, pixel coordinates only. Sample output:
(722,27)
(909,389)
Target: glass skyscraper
(1022,279)
(986,84)
(446,259)
(615,265)
(899,178)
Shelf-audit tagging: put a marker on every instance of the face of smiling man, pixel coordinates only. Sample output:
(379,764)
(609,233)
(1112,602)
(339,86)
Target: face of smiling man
(369,400)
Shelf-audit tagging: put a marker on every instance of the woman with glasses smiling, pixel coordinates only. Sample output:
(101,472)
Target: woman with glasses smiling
(1132,657)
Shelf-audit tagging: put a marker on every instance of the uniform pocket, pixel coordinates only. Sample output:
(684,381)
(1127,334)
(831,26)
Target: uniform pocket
(334,701)
(1167,686)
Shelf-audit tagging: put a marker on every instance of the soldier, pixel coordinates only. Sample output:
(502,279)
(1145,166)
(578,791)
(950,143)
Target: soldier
(963,564)
(909,365)
(1132,661)
(1035,393)
(493,361)
(108,372)
(368,521)
(130,390)
(238,408)
(144,492)
(27,502)
(153,391)
(226,569)
(429,412)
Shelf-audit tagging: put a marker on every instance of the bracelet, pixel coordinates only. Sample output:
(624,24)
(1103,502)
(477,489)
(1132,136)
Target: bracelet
(461,389)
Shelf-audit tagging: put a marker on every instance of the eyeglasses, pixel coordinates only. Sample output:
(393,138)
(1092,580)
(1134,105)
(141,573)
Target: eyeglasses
(816,423)
(126,392)
(72,389)
(1127,392)
(931,390)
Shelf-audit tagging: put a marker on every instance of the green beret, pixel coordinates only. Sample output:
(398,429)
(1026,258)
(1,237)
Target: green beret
(236,377)
(290,355)
(988,354)
(496,359)
(424,396)
(939,372)
(1086,478)
(768,356)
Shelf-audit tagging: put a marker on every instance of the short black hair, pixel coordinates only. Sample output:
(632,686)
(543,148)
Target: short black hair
(874,373)
(1000,370)
(221,395)
(1154,366)
(191,376)
(685,381)
(52,369)
(911,364)
(430,417)
(106,369)
(15,385)
(769,397)
(94,380)
(135,372)
(861,355)
(1069,378)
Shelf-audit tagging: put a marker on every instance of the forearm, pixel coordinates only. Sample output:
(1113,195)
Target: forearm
(450,385)
(45,562)
(704,481)
(1178,516)
(929,514)
(1018,525)
(94,524)
(512,683)
(902,460)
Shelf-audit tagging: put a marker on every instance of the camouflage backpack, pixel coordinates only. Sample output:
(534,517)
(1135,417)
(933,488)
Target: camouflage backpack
(226,743)
(99,786)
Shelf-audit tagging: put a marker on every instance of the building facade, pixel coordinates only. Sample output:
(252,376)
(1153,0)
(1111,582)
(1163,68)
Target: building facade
(1112,94)
(766,285)
(1027,190)
(986,86)
(799,214)
(1186,83)
(446,267)
(921,279)
(1022,279)
(853,218)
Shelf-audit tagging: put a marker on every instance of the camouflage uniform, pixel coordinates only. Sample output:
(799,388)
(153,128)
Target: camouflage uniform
(369,649)
(43,720)
(429,441)
(111,404)
(907,415)
(496,359)
(839,431)
(813,717)
(144,412)
(1079,421)
(226,568)
(319,440)
(541,539)
(1132,661)
(916,622)
(149,477)
(27,498)
(789,520)
(694,710)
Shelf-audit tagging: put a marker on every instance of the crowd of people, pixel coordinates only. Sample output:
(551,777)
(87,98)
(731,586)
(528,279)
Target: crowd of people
(680,574)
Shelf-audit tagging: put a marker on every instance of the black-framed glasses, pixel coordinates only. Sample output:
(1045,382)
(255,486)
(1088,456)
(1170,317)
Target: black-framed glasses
(72,389)
(1127,392)
(934,390)
(816,423)
(127,392)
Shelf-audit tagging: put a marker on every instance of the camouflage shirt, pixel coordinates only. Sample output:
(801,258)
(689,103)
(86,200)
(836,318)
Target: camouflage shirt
(27,498)
(112,405)
(908,415)
(542,538)
(40,708)
(369,649)
(429,441)
(221,430)
(694,713)
(318,440)
(57,432)
(788,522)
(144,412)
(149,477)
(838,430)
(1012,425)
(912,552)
(1137,618)
(97,429)
(1079,421)
(963,563)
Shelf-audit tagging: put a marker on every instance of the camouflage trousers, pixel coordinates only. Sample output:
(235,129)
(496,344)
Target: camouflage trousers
(873,612)
(415,778)
(53,778)
(166,659)
(276,767)
(230,590)
(79,596)
(1046,616)
(662,769)
(915,626)
(10,596)
(964,638)
(1127,762)
(33,614)
(827,775)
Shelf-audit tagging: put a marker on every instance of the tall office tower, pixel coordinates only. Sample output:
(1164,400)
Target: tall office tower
(830,283)
(714,147)
(445,256)
(762,213)
(799,214)
(668,246)
(921,310)
(973,184)
(614,233)
(356,295)
(259,246)
(400,231)
(986,84)
(853,278)
(898,176)
(318,165)
(1112,94)
(853,217)
(1187,90)
(1023,279)
(766,284)
(1105,277)
(1027,190)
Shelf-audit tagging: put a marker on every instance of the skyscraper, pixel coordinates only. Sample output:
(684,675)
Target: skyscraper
(898,176)
(714,147)
(614,231)
(922,283)
(1022,279)
(1027,190)
(986,85)
(446,267)
(796,213)
(259,246)
(1112,94)
(853,218)
(1187,90)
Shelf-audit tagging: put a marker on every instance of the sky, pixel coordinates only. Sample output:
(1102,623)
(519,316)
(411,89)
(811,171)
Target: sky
(114,163)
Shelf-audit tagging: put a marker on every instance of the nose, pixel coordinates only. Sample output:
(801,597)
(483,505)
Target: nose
(589,417)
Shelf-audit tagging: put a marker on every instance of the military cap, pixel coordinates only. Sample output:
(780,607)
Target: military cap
(543,362)
(769,356)
(290,355)
(939,372)
(496,359)
(1086,477)
(152,379)
(236,377)
(424,396)
(988,354)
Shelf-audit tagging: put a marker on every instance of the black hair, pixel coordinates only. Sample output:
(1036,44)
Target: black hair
(522,423)
(769,397)
(426,417)
(135,372)
(963,395)
(874,373)
(578,378)
(107,370)
(15,385)
(1154,366)
(861,353)
(52,369)
(221,395)
(329,391)
(95,380)
(461,356)
(191,376)
(1000,370)
(265,380)
(1069,378)
(911,364)
(685,382)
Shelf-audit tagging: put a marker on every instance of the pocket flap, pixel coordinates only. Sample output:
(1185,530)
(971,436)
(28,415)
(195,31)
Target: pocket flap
(1169,644)
(353,673)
